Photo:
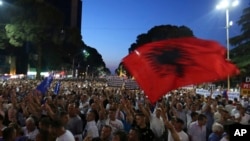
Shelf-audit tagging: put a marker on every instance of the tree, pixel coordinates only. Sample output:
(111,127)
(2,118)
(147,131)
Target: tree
(158,33)
(91,62)
(34,21)
(241,53)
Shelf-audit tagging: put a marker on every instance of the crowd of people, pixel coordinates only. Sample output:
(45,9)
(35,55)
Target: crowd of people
(92,111)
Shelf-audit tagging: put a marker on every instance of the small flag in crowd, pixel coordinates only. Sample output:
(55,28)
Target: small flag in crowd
(57,87)
(224,94)
(162,66)
(45,84)
(115,81)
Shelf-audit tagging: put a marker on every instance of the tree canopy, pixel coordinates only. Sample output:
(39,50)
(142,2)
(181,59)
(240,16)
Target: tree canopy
(157,33)
(240,54)
(39,28)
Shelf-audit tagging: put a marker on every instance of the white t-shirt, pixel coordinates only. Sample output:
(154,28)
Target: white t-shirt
(67,136)
(157,125)
(92,129)
(224,139)
(115,125)
(244,120)
(30,135)
(182,135)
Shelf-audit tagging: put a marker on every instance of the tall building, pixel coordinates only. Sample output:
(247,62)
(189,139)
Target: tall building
(72,12)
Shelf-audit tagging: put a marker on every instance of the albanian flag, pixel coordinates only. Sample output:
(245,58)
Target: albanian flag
(162,66)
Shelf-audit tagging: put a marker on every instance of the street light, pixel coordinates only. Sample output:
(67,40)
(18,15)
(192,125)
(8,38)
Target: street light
(86,73)
(1,2)
(73,62)
(85,54)
(227,4)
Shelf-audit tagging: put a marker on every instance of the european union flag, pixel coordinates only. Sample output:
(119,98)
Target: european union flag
(57,87)
(45,84)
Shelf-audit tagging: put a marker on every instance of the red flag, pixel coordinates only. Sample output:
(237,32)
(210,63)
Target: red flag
(162,66)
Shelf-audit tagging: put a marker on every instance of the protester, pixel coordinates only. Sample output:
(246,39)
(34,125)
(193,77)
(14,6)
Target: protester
(60,132)
(106,133)
(9,134)
(179,126)
(217,132)
(30,130)
(113,122)
(144,130)
(134,135)
(197,130)
(74,124)
(116,109)
(91,127)
(120,135)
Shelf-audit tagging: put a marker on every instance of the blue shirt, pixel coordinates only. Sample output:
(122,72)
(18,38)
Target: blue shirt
(214,137)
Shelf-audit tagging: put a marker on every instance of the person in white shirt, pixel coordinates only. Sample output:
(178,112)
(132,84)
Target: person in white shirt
(157,124)
(229,106)
(178,125)
(113,122)
(244,117)
(244,101)
(236,110)
(91,127)
(218,114)
(84,104)
(60,132)
(30,130)
(197,130)
(155,119)
(102,120)
(194,117)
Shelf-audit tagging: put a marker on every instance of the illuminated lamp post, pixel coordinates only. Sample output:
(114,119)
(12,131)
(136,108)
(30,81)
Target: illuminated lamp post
(227,4)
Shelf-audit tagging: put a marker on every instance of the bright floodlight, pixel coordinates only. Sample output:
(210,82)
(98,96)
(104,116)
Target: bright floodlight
(235,3)
(1,2)
(223,4)
(227,4)
(231,23)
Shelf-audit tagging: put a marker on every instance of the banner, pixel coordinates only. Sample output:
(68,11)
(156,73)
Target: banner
(231,95)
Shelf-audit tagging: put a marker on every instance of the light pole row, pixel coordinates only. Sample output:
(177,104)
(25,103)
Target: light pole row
(85,54)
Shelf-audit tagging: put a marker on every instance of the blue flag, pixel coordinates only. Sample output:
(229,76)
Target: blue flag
(57,87)
(224,94)
(45,84)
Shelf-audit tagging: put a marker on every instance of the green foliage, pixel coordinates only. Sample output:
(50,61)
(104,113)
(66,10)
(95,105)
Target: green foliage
(3,38)
(240,54)
(244,23)
(33,22)
(93,60)
(41,25)
(14,34)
